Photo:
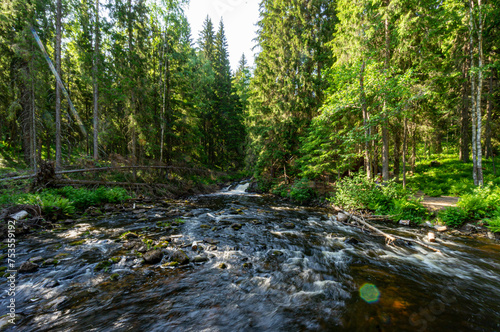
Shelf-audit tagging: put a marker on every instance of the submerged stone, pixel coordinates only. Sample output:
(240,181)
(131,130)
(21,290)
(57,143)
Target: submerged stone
(200,259)
(236,226)
(351,241)
(180,257)
(153,256)
(28,267)
(289,225)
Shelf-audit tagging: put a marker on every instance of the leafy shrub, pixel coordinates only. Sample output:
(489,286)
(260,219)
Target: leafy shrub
(83,198)
(359,192)
(301,192)
(408,209)
(280,190)
(482,202)
(433,192)
(453,216)
(52,206)
(264,184)
(494,222)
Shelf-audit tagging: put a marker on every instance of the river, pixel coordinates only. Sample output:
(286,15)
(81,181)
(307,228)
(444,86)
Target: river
(272,266)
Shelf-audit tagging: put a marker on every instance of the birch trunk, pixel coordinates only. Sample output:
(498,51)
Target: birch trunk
(366,118)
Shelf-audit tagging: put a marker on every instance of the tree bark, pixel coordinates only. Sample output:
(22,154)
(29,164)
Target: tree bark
(96,83)
(405,145)
(397,150)
(58,90)
(366,118)
(464,123)
(488,146)
(385,121)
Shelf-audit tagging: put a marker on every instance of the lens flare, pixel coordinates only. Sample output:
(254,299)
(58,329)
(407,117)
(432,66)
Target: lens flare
(369,293)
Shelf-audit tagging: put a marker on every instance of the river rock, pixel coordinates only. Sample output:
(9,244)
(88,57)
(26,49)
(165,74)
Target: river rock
(211,241)
(404,222)
(289,225)
(200,259)
(351,241)
(180,257)
(132,245)
(441,228)
(36,259)
(236,226)
(19,215)
(342,217)
(27,267)
(153,256)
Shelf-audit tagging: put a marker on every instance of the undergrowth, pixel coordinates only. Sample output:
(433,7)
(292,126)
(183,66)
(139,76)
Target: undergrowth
(64,202)
(389,198)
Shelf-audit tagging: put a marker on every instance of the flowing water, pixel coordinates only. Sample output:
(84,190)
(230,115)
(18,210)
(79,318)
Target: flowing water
(265,276)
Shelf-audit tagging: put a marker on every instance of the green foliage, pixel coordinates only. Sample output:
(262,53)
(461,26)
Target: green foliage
(83,198)
(389,198)
(408,209)
(301,191)
(280,189)
(481,202)
(494,222)
(63,202)
(359,192)
(53,206)
(453,216)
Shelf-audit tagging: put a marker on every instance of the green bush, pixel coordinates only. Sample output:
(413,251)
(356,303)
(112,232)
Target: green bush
(494,222)
(453,216)
(481,203)
(408,209)
(301,192)
(280,190)
(359,192)
(83,198)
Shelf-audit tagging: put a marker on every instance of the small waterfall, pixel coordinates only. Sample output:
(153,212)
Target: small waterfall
(241,188)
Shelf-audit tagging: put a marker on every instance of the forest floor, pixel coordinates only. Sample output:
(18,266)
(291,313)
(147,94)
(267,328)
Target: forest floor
(437,203)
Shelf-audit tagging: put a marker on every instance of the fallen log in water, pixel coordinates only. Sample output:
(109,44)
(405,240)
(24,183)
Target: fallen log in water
(389,237)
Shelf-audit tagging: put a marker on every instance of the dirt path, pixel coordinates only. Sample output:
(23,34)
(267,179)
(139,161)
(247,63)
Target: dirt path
(437,203)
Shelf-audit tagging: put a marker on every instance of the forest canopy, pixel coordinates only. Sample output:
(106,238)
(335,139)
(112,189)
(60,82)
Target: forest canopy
(337,86)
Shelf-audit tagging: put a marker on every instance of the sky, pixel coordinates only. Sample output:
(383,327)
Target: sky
(240,18)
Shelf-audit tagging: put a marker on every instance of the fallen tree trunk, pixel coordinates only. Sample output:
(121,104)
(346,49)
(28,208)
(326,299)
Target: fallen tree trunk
(389,237)
(106,169)
(106,183)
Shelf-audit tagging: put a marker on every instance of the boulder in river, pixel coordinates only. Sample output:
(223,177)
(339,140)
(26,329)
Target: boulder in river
(153,256)
(180,257)
(27,267)
(342,217)
(200,259)
(236,226)
(351,241)
(289,225)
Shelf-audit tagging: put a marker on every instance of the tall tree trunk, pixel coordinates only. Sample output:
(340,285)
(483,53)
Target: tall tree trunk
(33,116)
(414,149)
(405,147)
(397,150)
(96,86)
(488,146)
(366,118)
(385,121)
(464,123)
(58,90)
(132,106)
(478,96)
